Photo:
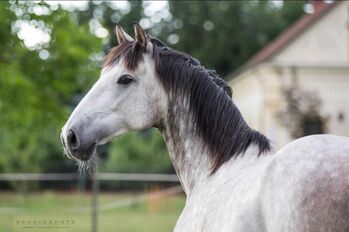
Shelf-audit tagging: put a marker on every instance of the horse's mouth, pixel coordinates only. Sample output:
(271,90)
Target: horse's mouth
(86,154)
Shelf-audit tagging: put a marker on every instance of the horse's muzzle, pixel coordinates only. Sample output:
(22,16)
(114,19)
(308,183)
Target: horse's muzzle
(76,148)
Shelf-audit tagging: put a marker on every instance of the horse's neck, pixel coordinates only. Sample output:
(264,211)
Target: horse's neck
(186,150)
(188,153)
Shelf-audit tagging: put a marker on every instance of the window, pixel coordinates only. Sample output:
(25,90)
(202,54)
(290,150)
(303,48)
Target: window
(314,125)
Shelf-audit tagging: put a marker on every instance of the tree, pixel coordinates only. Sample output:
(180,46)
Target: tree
(35,90)
(139,152)
(221,34)
(224,34)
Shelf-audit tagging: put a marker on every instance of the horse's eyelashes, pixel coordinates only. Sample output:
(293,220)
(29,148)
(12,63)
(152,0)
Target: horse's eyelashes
(125,79)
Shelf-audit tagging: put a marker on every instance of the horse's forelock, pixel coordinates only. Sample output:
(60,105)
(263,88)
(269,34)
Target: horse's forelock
(131,53)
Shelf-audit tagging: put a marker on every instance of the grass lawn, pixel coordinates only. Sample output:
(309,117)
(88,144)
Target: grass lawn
(20,212)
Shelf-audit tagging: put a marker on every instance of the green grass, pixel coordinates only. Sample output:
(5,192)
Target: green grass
(18,213)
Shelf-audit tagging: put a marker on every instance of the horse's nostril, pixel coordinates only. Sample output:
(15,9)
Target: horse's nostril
(72,140)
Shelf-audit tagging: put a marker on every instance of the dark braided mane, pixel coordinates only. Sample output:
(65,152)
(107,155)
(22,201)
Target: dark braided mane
(216,118)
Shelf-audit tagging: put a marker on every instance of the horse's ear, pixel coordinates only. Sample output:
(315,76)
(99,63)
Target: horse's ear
(121,35)
(140,36)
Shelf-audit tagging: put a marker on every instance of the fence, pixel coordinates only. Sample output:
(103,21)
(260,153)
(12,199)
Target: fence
(95,179)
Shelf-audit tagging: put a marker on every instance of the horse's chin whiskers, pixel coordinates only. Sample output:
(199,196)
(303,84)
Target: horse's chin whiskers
(88,166)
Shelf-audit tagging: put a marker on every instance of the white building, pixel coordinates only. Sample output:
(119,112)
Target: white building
(314,52)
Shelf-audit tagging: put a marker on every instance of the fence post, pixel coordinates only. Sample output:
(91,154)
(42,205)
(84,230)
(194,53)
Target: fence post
(82,183)
(82,187)
(95,190)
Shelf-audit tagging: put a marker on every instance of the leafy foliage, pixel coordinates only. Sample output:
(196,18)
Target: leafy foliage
(224,34)
(34,93)
(139,152)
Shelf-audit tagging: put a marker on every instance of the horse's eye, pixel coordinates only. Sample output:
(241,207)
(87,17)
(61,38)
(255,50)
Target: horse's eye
(125,79)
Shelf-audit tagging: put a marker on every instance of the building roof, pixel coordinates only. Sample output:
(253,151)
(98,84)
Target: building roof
(287,36)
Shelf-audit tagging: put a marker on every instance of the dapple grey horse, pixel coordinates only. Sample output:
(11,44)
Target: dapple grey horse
(233,178)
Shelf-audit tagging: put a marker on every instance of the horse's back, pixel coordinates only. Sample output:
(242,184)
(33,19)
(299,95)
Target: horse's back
(306,186)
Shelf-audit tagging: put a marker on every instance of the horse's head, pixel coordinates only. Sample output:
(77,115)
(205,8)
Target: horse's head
(127,97)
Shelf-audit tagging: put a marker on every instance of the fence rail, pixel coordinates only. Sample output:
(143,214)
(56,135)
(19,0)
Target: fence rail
(97,176)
